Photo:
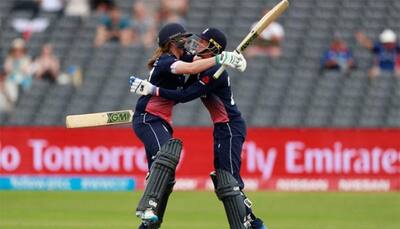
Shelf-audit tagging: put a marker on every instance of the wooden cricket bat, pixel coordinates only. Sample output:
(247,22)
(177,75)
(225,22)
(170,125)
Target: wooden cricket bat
(267,19)
(99,119)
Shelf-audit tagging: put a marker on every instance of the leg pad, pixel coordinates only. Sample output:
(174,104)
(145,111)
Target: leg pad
(228,191)
(162,172)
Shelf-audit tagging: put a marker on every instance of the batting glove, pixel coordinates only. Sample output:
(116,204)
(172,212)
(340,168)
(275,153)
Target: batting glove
(232,59)
(142,87)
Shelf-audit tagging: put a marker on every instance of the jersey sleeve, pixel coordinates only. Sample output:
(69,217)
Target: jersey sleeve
(205,84)
(165,62)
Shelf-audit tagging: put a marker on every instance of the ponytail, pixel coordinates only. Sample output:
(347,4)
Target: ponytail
(157,53)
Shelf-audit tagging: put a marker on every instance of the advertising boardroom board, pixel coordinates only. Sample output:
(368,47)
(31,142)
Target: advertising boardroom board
(55,158)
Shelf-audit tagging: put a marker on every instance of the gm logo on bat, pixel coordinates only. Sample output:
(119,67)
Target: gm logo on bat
(118,117)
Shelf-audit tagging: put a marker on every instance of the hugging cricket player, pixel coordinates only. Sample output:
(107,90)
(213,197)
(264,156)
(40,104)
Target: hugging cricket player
(115,117)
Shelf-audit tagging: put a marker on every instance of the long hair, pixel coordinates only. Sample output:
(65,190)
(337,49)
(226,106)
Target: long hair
(157,53)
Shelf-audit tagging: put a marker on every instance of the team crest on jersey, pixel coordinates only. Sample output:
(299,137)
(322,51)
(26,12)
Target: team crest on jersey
(205,80)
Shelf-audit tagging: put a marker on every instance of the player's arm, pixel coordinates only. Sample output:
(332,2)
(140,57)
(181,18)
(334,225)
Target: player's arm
(364,41)
(197,89)
(230,59)
(182,96)
(182,67)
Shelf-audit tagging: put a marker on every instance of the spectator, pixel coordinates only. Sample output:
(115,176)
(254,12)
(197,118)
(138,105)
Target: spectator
(143,24)
(28,25)
(114,27)
(269,41)
(77,8)
(47,65)
(338,57)
(18,66)
(173,11)
(386,52)
(7,98)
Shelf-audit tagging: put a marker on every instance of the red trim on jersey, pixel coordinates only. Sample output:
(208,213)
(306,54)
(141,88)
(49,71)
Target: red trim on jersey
(216,108)
(205,80)
(160,107)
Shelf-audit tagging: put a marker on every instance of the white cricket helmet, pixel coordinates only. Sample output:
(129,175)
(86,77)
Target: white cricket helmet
(388,36)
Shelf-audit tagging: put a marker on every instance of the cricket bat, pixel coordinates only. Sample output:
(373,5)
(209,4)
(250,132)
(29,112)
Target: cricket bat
(267,19)
(99,119)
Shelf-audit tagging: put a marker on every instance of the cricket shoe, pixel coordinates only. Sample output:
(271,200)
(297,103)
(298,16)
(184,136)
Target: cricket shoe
(147,216)
(148,226)
(258,224)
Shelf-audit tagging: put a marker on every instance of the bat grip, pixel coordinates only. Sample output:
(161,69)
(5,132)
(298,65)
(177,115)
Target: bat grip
(218,73)
(221,69)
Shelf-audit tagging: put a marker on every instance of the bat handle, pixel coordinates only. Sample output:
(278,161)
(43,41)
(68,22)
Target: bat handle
(221,69)
(218,73)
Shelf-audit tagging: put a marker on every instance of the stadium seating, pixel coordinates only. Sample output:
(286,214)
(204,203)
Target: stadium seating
(288,92)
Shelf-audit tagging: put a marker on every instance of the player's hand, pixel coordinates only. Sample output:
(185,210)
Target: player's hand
(142,87)
(232,59)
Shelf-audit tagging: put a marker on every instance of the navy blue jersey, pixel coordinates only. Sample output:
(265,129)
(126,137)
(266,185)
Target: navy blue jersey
(386,58)
(161,76)
(216,94)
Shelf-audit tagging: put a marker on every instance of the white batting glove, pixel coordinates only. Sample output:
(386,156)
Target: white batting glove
(142,87)
(232,59)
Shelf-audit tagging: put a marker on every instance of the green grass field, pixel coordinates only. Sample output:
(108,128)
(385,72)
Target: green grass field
(198,210)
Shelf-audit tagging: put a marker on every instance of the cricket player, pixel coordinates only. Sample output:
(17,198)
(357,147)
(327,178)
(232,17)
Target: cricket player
(152,119)
(229,128)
